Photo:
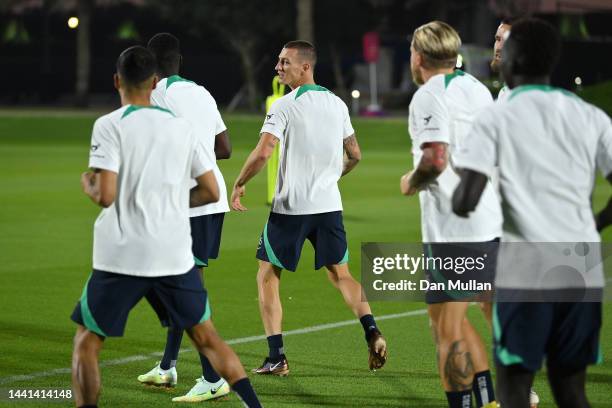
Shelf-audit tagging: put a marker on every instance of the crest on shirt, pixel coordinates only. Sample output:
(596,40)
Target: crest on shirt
(268,118)
(427,119)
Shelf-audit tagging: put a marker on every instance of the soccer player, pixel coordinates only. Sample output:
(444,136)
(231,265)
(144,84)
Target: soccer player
(143,160)
(314,129)
(503,30)
(500,36)
(193,102)
(547,144)
(440,114)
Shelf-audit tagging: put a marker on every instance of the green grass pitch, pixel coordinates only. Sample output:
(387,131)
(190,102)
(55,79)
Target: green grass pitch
(45,259)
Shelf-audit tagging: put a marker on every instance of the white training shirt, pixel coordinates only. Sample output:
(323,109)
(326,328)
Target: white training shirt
(193,102)
(442,110)
(311,124)
(146,231)
(547,143)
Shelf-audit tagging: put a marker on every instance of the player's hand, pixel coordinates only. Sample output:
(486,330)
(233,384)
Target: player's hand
(405,186)
(86,180)
(235,200)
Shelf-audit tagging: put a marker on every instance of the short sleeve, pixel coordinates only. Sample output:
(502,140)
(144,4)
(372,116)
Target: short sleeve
(479,151)
(104,150)
(276,120)
(219,124)
(604,146)
(200,161)
(429,119)
(347,126)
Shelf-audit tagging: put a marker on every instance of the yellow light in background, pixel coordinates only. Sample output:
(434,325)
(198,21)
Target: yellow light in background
(73,22)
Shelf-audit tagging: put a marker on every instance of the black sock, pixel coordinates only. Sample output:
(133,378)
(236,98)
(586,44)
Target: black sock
(208,371)
(369,324)
(88,406)
(246,393)
(173,344)
(483,388)
(275,344)
(459,399)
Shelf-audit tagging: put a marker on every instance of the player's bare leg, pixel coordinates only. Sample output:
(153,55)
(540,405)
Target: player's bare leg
(455,364)
(224,360)
(85,371)
(341,278)
(353,295)
(482,385)
(475,346)
(221,356)
(270,307)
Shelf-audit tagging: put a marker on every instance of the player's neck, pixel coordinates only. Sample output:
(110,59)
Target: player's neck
(519,80)
(308,81)
(136,98)
(167,74)
(433,72)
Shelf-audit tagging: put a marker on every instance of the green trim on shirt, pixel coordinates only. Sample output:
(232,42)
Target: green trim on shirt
(309,87)
(134,108)
(449,77)
(539,87)
(176,78)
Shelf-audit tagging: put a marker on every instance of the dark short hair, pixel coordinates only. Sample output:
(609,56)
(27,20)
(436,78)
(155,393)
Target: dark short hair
(305,50)
(135,65)
(534,47)
(167,51)
(509,20)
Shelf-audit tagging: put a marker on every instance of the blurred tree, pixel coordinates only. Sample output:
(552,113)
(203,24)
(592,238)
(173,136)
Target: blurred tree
(84,10)
(342,30)
(304,20)
(83,57)
(244,25)
(16,33)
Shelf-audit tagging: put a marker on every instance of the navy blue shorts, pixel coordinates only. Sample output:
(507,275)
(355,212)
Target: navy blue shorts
(466,265)
(283,238)
(567,334)
(206,237)
(108,298)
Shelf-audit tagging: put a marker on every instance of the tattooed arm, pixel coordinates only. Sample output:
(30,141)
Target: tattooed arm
(352,154)
(253,165)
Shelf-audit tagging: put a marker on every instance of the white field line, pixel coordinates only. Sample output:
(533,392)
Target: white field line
(240,340)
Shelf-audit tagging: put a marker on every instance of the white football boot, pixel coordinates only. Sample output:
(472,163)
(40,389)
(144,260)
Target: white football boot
(159,377)
(204,391)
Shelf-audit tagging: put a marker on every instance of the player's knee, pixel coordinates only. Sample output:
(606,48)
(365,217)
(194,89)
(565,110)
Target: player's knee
(434,313)
(332,276)
(85,343)
(203,335)
(266,275)
(449,332)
